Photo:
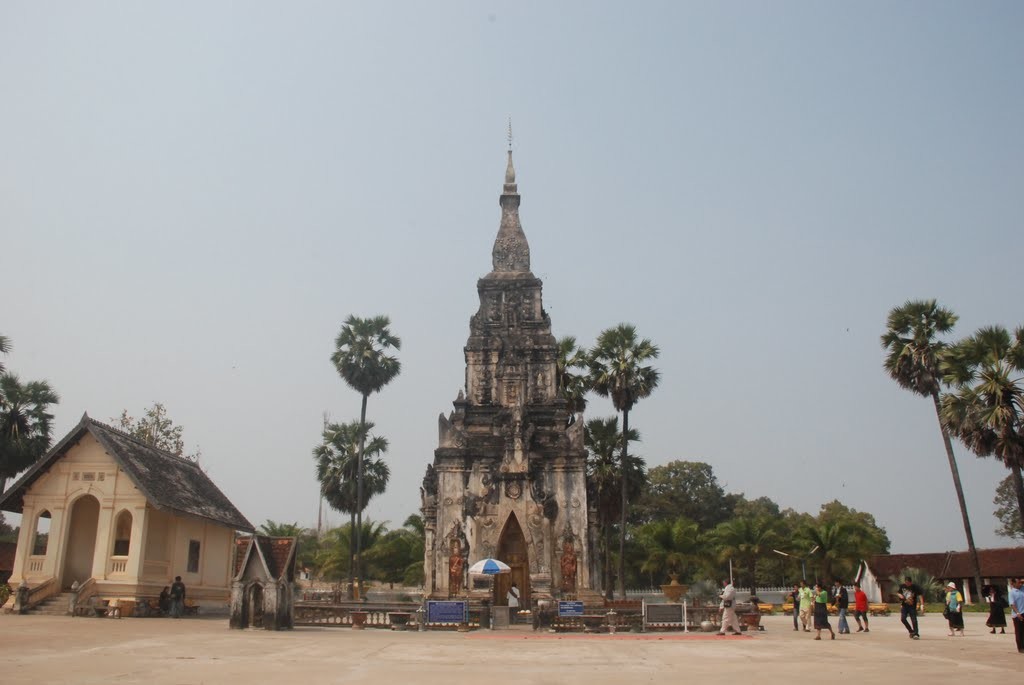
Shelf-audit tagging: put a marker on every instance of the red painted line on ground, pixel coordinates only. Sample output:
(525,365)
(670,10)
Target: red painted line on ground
(498,635)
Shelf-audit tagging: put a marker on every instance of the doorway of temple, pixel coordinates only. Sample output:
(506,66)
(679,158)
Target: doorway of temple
(81,541)
(512,549)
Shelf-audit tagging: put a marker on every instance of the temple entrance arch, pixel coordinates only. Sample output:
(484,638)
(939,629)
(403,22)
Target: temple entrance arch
(513,550)
(81,541)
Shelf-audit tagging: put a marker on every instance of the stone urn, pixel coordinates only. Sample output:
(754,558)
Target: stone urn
(358,620)
(675,590)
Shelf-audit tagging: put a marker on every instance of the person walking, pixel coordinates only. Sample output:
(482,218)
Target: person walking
(996,610)
(841,598)
(177,597)
(860,608)
(954,610)
(821,611)
(727,605)
(806,606)
(794,597)
(912,596)
(1017,612)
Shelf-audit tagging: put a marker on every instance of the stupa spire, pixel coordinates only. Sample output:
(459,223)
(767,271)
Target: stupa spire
(511,252)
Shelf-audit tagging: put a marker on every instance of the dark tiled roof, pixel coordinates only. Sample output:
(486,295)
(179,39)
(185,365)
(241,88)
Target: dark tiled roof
(169,482)
(995,563)
(277,555)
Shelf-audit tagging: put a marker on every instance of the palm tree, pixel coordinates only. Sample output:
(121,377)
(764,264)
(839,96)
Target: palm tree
(838,546)
(618,370)
(361,358)
(337,458)
(5,347)
(336,549)
(986,411)
(604,481)
(572,386)
(745,539)
(913,360)
(25,424)
(670,545)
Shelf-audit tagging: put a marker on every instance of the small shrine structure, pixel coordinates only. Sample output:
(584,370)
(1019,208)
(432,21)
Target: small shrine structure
(262,594)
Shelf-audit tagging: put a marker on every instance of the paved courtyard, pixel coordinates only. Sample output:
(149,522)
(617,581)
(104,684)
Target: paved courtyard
(42,649)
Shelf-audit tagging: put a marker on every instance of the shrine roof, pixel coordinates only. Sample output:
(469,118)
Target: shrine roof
(170,483)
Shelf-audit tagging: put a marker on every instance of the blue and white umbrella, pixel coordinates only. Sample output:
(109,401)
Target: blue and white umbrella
(490,567)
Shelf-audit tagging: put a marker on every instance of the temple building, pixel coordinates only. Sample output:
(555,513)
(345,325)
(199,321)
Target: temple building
(119,519)
(508,480)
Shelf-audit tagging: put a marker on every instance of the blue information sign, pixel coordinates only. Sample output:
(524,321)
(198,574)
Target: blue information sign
(570,608)
(447,611)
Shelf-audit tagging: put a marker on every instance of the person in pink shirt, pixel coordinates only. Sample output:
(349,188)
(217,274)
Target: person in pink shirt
(860,608)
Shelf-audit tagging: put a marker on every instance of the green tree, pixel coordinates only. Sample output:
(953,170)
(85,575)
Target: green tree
(840,537)
(571,374)
(986,410)
(670,546)
(337,549)
(363,360)
(337,457)
(157,429)
(604,482)
(305,540)
(745,541)
(25,424)
(684,488)
(913,358)
(619,370)
(1008,510)
(398,555)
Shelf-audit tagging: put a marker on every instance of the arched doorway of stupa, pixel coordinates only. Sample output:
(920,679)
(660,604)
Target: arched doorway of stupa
(514,549)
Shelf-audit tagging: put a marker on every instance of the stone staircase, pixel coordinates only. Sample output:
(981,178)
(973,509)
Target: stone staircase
(57,605)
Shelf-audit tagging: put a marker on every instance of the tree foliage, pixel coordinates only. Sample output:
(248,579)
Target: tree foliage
(1008,510)
(156,428)
(986,409)
(25,422)
(684,488)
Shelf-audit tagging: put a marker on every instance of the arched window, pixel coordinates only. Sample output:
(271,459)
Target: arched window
(122,534)
(42,536)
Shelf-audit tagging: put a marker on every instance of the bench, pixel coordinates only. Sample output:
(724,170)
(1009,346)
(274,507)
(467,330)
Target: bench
(766,609)
(191,608)
(879,609)
(787,608)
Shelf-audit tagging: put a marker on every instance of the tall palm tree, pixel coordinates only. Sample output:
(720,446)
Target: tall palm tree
(604,481)
(572,379)
(913,357)
(619,370)
(337,459)
(25,424)
(362,358)
(986,410)
(838,546)
(745,539)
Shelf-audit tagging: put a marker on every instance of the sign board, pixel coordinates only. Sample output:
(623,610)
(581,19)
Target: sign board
(447,611)
(570,609)
(663,613)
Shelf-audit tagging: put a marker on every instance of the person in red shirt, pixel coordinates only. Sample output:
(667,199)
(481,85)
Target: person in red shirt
(860,608)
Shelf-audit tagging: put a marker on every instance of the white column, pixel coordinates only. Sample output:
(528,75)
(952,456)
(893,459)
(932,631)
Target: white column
(24,548)
(137,546)
(101,552)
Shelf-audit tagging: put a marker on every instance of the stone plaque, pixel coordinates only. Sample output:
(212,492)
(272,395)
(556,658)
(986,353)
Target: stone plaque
(664,613)
(570,609)
(447,612)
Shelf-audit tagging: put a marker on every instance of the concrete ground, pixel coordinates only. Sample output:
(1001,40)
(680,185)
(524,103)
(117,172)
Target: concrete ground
(42,649)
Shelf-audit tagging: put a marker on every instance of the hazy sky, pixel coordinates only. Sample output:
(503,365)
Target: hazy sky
(194,195)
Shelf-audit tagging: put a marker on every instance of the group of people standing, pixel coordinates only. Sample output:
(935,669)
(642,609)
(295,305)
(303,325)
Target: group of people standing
(811,607)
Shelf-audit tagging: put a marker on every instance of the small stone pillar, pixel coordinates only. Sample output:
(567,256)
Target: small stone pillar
(21,598)
(73,601)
